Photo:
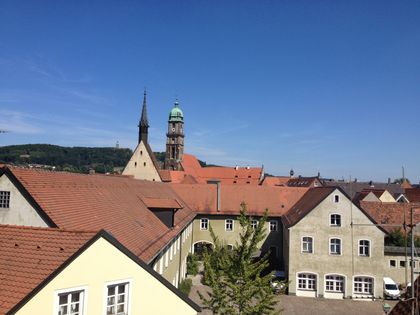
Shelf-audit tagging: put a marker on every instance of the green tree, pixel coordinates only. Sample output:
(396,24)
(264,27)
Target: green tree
(235,277)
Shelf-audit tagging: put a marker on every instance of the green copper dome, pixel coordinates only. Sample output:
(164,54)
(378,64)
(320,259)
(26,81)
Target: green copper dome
(176,114)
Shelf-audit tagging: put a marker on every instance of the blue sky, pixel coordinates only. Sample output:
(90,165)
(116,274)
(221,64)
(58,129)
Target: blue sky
(328,86)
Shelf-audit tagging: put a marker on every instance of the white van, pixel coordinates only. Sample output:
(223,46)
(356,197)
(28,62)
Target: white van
(391,289)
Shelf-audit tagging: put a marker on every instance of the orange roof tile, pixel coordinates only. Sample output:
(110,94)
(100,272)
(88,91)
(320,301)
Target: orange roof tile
(161,203)
(114,203)
(30,255)
(203,198)
(226,175)
(275,181)
(389,213)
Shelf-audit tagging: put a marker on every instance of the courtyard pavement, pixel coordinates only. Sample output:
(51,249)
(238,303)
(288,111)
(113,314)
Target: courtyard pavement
(293,305)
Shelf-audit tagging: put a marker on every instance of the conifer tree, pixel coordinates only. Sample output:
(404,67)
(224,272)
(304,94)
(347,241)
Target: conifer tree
(235,276)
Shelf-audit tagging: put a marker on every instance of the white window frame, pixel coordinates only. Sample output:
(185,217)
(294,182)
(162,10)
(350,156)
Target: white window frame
(128,283)
(204,221)
(363,285)
(331,216)
(306,282)
(254,224)
(226,225)
(341,246)
(84,296)
(5,197)
(360,246)
(335,282)
(302,242)
(275,224)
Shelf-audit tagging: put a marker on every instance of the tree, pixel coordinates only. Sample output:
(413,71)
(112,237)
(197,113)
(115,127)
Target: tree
(236,279)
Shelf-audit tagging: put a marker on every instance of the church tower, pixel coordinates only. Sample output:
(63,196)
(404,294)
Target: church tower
(175,139)
(143,123)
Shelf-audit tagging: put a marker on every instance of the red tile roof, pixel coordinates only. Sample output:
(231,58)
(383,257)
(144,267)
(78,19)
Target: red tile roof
(113,203)
(306,204)
(203,198)
(29,255)
(226,175)
(275,181)
(161,203)
(413,194)
(389,213)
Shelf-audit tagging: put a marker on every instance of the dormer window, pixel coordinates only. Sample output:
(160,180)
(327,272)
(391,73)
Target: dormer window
(335,219)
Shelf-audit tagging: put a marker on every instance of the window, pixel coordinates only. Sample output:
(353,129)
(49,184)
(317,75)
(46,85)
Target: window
(335,219)
(117,299)
(363,285)
(70,303)
(307,244)
(273,226)
(335,246)
(412,262)
(334,283)
(144,163)
(392,263)
(4,199)
(402,263)
(229,225)
(364,248)
(254,224)
(204,224)
(229,247)
(306,281)
(336,198)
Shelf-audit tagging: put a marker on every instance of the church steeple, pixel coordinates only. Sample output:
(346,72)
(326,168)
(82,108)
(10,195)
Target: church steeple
(175,139)
(143,123)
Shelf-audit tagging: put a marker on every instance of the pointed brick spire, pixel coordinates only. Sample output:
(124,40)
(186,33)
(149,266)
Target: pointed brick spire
(143,123)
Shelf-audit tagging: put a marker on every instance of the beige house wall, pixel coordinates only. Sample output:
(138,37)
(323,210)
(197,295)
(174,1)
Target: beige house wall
(316,224)
(387,197)
(371,197)
(20,211)
(217,223)
(100,264)
(141,165)
(399,273)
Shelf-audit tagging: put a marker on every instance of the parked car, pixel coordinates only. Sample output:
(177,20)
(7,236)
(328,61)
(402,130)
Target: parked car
(391,289)
(278,282)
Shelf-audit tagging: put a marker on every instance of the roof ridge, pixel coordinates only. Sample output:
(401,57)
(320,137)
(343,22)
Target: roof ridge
(46,228)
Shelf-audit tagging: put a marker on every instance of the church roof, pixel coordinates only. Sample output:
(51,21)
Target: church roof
(176,114)
(143,120)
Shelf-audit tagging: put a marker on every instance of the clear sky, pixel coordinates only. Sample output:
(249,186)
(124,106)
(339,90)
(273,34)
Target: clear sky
(328,86)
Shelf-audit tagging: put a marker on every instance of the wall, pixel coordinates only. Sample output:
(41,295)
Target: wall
(349,263)
(398,273)
(20,211)
(217,222)
(141,165)
(101,263)
(177,265)
(387,197)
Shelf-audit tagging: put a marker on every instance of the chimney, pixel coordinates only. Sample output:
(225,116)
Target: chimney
(217,183)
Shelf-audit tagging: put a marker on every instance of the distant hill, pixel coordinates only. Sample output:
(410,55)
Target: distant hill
(72,159)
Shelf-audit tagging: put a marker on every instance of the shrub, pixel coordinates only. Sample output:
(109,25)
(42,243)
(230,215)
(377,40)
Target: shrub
(185,286)
(192,264)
